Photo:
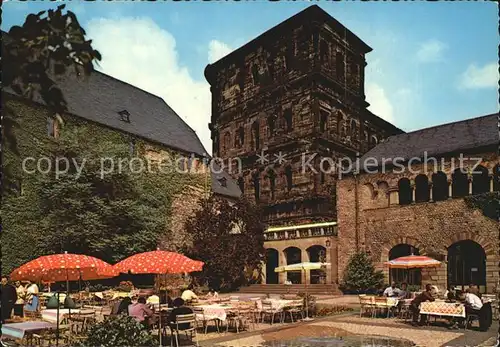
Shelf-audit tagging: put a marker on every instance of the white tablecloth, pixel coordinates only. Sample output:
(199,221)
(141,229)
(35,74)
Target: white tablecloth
(19,330)
(50,315)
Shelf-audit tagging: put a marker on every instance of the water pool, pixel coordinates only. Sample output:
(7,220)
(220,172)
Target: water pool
(347,341)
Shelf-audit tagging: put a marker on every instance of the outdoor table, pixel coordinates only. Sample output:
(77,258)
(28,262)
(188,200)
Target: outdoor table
(50,315)
(442,308)
(215,311)
(24,329)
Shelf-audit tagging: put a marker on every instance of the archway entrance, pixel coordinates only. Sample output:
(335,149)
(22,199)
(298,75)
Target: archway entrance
(317,254)
(293,256)
(466,264)
(411,276)
(272,262)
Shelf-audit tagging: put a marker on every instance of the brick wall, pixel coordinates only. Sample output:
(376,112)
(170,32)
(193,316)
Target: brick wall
(429,226)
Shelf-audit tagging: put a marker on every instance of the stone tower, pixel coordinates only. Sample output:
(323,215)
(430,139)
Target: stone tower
(294,96)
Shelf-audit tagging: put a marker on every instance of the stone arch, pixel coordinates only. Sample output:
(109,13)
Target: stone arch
(293,255)
(405,191)
(480,180)
(272,262)
(421,188)
(317,253)
(487,245)
(466,264)
(383,186)
(460,183)
(384,255)
(440,189)
(369,190)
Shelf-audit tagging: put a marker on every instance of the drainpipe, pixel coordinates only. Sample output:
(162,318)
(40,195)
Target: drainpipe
(356,210)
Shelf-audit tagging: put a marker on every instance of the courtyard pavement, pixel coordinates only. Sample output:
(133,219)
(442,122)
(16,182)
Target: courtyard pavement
(435,335)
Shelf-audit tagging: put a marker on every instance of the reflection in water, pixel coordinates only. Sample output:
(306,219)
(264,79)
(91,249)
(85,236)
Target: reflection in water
(350,341)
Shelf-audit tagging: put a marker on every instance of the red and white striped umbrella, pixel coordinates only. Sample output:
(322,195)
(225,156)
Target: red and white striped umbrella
(158,262)
(412,262)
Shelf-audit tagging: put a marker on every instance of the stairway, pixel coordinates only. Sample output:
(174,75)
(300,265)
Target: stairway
(325,289)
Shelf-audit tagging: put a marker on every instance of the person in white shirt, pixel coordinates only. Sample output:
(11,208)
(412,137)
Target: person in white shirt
(189,295)
(473,302)
(391,291)
(212,294)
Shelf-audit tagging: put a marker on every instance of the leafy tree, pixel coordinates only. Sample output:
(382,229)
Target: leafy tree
(109,215)
(120,330)
(360,275)
(48,44)
(229,238)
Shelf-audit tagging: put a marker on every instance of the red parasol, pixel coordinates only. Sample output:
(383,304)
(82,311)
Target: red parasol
(64,267)
(158,262)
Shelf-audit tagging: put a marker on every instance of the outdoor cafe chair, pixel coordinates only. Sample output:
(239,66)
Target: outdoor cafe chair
(269,310)
(367,303)
(381,305)
(295,308)
(175,331)
(200,317)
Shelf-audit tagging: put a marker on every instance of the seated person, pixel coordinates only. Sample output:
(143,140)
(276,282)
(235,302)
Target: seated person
(472,303)
(403,292)
(69,302)
(415,304)
(391,291)
(179,309)
(122,307)
(53,302)
(188,295)
(473,289)
(212,294)
(165,298)
(140,311)
(450,295)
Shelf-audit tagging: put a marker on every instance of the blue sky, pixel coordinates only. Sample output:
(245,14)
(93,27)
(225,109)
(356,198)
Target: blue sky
(432,63)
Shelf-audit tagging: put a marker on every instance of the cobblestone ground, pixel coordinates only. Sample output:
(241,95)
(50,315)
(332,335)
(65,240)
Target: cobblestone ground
(435,335)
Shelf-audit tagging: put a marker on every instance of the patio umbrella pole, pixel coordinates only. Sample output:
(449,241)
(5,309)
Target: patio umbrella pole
(57,321)
(307,298)
(159,311)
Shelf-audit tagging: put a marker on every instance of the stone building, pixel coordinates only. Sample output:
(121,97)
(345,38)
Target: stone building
(438,208)
(294,95)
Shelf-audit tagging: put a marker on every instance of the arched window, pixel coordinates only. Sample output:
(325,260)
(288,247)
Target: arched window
(255,135)
(293,255)
(239,137)
(340,120)
(271,123)
(466,264)
(480,180)
(241,184)
(339,65)
(421,188)
(354,129)
(255,73)
(373,140)
(287,115)
(272,262)
(439,186)
(227,141)
(323,120)
(317,254)
(323,51)
(289,178)
(271,175)
(496,178)
(405,191)
(256,186)
(410,276)
(324,171)
(459,184)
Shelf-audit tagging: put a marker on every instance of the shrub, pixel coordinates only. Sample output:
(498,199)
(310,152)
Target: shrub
(332,310)
(360,275)
(119,330)
(125,286)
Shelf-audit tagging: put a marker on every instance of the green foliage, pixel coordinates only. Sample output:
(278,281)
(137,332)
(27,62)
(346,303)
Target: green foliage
(111,216)
(488,203)
(120,330)
(229,238)
(47,45)
(360,275)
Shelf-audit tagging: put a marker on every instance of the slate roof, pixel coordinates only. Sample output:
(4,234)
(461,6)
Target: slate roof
(438,140)
(100,97)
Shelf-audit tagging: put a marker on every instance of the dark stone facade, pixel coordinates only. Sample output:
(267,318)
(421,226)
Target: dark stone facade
(297,89)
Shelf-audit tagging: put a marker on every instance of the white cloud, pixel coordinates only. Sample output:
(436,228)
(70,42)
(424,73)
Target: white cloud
(379,102)
(480,77)
(217,50)
(431,51)
(147,58)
